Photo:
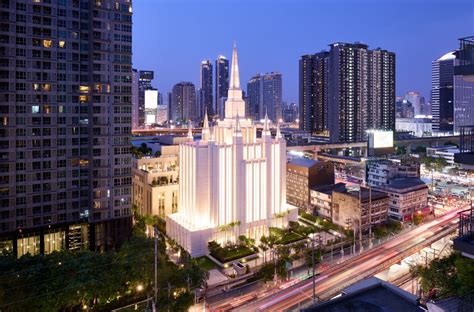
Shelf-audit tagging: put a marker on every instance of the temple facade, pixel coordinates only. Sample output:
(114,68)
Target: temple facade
(231,182)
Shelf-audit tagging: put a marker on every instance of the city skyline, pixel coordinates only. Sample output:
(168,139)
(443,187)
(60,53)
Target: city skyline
(179,60)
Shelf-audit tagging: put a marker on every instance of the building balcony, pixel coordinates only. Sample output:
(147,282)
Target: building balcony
(464,243)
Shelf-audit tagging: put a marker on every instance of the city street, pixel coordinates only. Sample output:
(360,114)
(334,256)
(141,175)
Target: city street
(340,275)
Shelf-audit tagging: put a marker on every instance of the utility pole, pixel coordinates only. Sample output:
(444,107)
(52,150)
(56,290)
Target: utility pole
(370,217)
(312,265)
(156,263)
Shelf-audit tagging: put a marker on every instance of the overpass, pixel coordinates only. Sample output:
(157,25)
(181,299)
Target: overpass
(409,142)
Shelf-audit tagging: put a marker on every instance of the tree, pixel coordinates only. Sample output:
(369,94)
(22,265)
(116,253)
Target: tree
(448,276)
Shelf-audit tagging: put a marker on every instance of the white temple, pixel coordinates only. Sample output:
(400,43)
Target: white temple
(231,182)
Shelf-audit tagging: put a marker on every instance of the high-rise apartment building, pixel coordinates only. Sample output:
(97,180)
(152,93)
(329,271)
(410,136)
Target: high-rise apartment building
(206,94)
(346,91)
(222,84)
(145,77)
(442,95)
(264,93)
(464,84)
(313,93)
(183,102)
(66,102)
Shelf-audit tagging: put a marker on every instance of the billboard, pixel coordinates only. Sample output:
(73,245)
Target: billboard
(151,99)
(380,142)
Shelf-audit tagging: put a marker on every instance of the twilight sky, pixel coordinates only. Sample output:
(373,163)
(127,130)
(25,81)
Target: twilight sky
(171,37)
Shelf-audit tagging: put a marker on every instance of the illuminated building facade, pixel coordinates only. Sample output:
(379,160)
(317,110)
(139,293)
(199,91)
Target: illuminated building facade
(230,179)
(65,98)
(346,91)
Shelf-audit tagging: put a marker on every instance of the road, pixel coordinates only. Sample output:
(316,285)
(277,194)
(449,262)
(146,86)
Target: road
(335,278)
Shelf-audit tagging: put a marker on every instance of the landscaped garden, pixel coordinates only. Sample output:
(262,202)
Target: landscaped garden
(229,252)
(205,263)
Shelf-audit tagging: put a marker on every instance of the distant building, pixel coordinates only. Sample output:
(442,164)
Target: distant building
(162,114)
(417,101)
(264,93)
(321,199)
(404,109)
(381,171)
(419,126)
(206,90)
(442,96)
(290,112)
(145,77)
(155,183)
(346,91)
(222,84)
(352,207)
(303,174)
(464,84)
(408,196)
(183,102)
(465,156)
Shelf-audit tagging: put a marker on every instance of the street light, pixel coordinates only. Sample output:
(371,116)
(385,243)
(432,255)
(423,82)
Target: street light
(139,287)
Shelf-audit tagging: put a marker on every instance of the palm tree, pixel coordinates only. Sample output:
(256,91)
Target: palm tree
(263,246)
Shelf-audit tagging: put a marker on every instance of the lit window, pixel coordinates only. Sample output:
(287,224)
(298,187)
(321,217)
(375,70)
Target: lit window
(46,87)
(35,109)
(47,43)
(83,99)
(62,44)
(36,87)
(47,109)
(83,89)
(60,109)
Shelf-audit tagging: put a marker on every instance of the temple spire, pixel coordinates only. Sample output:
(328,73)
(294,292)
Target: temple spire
(190,130)
(237,125)
(278,132)
(266,125)
(234,74)
(205,124)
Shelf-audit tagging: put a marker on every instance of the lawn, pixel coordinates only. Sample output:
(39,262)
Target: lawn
(290,237)
(205,263)
(231,252)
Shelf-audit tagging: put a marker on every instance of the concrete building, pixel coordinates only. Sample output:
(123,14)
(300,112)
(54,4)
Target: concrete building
(65,103)
(408,196)
(442,96)
(321,199)
(404,109)
(303,174)
(446,152)
(156,183)
(382,171)
(221,85)
(230,179)
(358,209)
(347,91)
(183,102)
(264,93)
